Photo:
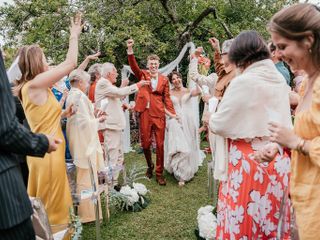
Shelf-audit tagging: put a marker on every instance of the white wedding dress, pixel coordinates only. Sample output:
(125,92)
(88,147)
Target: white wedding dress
(182,145)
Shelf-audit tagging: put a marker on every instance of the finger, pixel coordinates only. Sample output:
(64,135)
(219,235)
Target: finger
(57,141)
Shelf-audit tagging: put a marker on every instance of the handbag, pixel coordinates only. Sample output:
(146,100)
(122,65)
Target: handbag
(40,220)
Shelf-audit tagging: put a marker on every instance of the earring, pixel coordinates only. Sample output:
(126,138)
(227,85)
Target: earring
(310,51)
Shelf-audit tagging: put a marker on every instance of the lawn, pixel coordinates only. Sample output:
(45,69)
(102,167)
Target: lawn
(171,214)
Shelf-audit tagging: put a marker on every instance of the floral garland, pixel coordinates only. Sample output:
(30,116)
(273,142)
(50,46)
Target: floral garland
(207,223)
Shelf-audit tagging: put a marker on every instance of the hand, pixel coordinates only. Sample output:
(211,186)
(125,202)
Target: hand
(142,83)
(94,56)
(214,43)
(98,113)
(69,111)
(124,82)
(102,118)
(206,98)
(76,26)
(282,135)
(267,153)
(130,43)
(197,52)
(53,143)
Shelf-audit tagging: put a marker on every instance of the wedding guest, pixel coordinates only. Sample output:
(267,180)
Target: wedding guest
(15,211)
(44,113)
(85,147)
(115,122)
(296,33)
(250,196)
(95,73)
(182,144)
(278,61)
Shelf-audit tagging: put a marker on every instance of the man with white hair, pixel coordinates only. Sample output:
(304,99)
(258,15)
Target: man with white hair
(108,99)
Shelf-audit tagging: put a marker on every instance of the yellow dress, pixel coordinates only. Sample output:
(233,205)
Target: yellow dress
(305,170)
(47,176)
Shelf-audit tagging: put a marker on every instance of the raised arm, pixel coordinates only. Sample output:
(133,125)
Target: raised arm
(86,61)
(48,78)
(132,60)
(108,90)
(199,78)
(217,60)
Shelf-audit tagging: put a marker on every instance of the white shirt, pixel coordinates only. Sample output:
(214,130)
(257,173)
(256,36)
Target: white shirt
(154,83)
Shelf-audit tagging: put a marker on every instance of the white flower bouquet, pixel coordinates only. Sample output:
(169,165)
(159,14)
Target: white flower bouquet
(207,223)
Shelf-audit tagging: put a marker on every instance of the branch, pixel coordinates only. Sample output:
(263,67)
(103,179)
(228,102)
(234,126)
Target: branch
(172,17)
(185,35)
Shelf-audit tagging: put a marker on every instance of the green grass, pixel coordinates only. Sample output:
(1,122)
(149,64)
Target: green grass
(171,214)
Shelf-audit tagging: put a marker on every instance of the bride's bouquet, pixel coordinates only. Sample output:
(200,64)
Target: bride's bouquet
(207,223)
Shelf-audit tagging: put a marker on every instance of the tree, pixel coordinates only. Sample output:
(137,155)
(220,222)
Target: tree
(158,26)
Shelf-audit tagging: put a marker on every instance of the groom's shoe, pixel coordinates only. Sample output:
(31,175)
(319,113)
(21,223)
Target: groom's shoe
(149,172)
(161,180)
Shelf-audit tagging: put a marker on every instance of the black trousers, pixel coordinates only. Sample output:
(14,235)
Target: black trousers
(22,231)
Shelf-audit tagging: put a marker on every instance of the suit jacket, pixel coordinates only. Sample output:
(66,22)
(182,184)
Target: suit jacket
(115,115)
(156,100)
(14,139)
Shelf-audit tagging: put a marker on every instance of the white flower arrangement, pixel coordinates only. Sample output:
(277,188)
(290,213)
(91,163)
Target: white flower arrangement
(131,194)
(130,198)
(207,222)
(140,188)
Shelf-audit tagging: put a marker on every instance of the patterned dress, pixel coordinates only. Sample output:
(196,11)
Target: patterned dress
(250,201)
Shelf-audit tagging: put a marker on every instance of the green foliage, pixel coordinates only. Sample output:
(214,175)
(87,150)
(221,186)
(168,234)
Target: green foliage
(158,26)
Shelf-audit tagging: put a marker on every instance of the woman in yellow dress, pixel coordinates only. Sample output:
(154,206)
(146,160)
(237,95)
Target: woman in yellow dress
(296,33)
(47,176)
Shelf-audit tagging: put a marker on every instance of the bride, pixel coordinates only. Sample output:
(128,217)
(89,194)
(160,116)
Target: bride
(182,151)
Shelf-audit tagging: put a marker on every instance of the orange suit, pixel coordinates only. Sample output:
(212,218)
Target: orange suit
(151,104)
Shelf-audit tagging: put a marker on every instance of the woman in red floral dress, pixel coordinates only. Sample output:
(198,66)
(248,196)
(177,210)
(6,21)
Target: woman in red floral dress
(253,199)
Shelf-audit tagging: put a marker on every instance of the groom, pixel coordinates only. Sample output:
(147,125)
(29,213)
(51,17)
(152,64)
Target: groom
(151,102)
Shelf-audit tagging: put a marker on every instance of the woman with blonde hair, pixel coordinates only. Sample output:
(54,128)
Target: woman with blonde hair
(296,33)
(47,176)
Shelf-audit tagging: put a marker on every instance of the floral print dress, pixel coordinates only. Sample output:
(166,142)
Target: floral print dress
(252,200)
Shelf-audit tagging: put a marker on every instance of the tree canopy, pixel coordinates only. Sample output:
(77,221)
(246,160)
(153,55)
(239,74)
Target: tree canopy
(157,26)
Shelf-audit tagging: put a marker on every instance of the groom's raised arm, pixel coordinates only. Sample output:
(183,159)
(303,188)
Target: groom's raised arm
(132,60)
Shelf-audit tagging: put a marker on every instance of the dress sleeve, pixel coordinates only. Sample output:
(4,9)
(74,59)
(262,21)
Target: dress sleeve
(314,151)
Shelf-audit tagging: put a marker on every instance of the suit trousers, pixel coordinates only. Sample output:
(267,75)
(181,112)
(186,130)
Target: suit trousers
(149,124)
(113,143)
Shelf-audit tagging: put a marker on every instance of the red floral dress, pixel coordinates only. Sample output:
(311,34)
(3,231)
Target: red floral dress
(250,201)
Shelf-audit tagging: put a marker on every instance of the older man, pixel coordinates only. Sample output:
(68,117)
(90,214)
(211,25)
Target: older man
(115,122)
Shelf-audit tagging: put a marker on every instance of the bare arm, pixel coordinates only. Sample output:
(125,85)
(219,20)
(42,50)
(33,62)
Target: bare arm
(48,78)
(86,61)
